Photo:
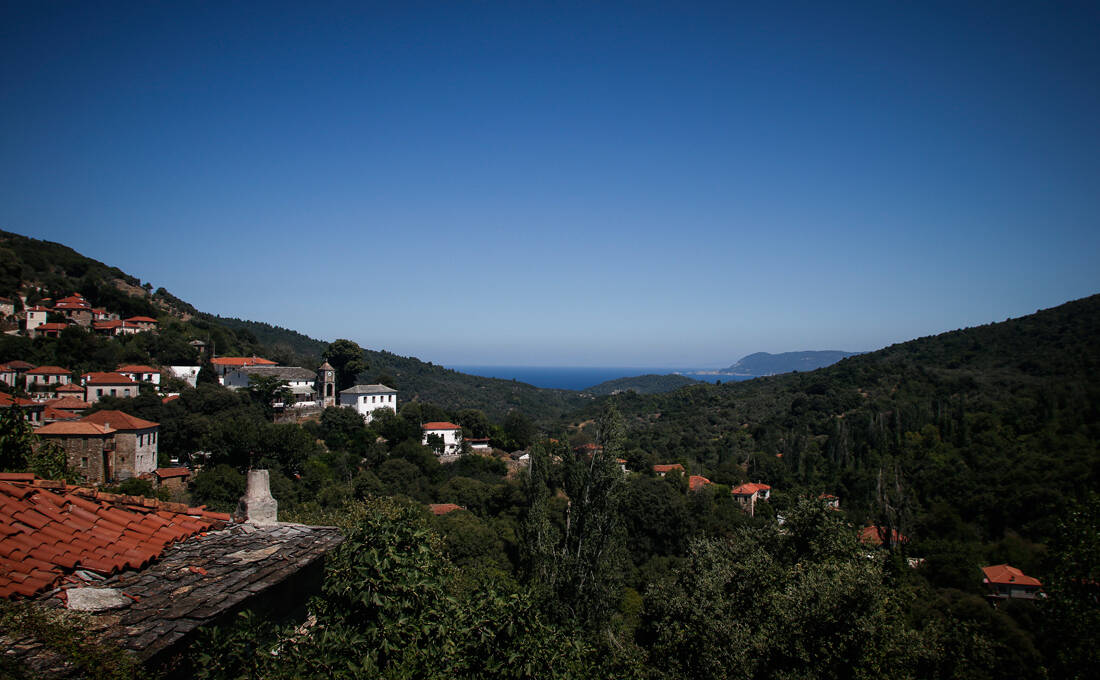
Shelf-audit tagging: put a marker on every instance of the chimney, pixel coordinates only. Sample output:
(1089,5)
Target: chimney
(257,506)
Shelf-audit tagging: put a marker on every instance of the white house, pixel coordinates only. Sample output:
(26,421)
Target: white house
(189,374)
(140,373)
(299,380)
(366,399)
(36,316)
(451,434)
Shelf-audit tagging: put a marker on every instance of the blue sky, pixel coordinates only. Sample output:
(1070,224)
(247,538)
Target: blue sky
(637,184)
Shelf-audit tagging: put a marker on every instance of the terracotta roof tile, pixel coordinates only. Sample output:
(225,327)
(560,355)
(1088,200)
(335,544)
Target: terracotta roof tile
(141,319)
(697,482)
(45,533)
(135,368)
(1003,574)
(107,378)
(78,427)
(439,425)
(69,403)
(119,420)
(443,508)
(49,370)
(749,489)
(165,473)
(876,535)
(241,361)
(668,468)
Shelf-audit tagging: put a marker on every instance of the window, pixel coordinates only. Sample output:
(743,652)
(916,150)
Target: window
(112,391)
(99,392)
(84,462)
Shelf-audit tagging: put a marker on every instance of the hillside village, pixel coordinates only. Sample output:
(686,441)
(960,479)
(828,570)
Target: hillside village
(329,437)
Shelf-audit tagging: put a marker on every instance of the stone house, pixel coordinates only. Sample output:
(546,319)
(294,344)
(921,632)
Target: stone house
(32,410)
(75,309)
(135,442)
(99,385)
(366,399)
(88,446)
(173,478)
(223,365)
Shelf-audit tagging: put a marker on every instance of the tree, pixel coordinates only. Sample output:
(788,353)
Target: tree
(804,600)
(267,390)
(578,565)
(347,358)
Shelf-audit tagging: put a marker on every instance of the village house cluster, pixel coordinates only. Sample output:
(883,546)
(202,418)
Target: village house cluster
(73,310)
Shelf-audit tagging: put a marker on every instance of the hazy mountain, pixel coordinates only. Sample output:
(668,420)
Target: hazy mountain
(764,363)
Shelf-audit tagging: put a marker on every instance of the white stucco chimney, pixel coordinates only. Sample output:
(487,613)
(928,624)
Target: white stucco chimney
(257,505)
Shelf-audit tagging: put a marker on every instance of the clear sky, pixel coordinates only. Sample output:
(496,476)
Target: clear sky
(591,183)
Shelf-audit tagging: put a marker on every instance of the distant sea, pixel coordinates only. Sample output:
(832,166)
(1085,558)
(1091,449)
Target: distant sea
(574,377)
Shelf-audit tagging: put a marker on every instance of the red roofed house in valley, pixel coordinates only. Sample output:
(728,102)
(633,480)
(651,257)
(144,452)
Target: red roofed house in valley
(98,385)
(140,373)
(49,330)
(1006,582)
(137,568)
(32,410)
(45,377)
(89,447)
(140,323)
(443,508)
(748,494)
(698,483)
(663,470)
(135,442)
(223,365)
(450,433)
(75,309)
(877,536)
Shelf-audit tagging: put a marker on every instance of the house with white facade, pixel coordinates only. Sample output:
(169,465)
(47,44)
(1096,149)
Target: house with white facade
(99,385)
(44,377)
(449,432)
(140,373)
(223,365)
(189,374)
(36,316)
(366,399)
(299,380)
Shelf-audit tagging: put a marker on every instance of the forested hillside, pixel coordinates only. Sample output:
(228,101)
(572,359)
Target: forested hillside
(642,384)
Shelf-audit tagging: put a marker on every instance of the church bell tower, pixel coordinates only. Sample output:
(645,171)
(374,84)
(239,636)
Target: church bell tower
(326,385)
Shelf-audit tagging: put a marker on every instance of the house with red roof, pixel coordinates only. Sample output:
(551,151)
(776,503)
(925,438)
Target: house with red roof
(49,330)
(75,309)
(141,323)
(34,317)
(43,378)
(135,442)
(32,410)
(172,478)
(698,483)
(879,536)
(1005,582)
(830,501)
(140,373)
(747,496)
(450,433)
(443,508)
(223,365)
(88,447)
(661,469)
(110,327)
(138,570)
(99,385)
(52,415)
(73,405)
(8,375)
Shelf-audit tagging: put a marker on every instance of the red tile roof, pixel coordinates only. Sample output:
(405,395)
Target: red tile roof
(51,413)
(119,420)
(75,428)
(443,508)
(697,482)
(1003,574)
(74,301)
(749,489)
(437,425)
(7,401)
(46,327)
(49,370)
(50,529)
(132,368)
(104,378)
(170,397)
(19,365)
(242,361)
(876,535)
(38,308)
(668,468)
(141,319)
(69,404)
(106,325)
(165,473)
(69,387)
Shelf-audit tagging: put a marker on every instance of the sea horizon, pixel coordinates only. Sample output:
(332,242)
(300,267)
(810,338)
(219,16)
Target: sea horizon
(578,377)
